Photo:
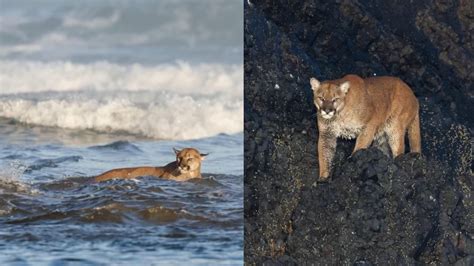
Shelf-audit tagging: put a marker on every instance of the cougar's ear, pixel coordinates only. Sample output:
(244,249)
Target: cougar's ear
(345,87)
(176,151)
(203,155)
(315,84)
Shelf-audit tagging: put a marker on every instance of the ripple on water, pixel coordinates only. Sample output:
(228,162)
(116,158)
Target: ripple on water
(50,208)
(149,201)
(121,145)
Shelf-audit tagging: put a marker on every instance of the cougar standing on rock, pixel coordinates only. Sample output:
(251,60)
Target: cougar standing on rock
(367,109)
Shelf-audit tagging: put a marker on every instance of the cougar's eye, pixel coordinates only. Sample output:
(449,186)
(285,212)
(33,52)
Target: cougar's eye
(321,99)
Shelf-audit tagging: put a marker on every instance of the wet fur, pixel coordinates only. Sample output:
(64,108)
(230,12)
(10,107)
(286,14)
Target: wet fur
(187,157)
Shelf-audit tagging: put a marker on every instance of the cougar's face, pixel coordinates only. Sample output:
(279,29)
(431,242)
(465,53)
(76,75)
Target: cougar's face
(188,160)
(329,97)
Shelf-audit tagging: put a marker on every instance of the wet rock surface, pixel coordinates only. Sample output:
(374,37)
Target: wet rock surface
(412,209)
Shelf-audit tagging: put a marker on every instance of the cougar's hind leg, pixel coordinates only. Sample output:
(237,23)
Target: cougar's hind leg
(396,140)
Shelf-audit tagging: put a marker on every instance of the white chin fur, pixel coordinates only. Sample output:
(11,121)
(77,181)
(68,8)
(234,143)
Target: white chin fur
(327,115)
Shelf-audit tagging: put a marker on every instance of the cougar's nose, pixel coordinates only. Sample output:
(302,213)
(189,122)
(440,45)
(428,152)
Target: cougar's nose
(327,110)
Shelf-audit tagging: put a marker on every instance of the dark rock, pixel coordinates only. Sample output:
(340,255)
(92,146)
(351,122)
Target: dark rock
(414,209)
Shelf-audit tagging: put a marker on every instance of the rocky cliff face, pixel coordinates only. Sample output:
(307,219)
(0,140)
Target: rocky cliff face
(376,209)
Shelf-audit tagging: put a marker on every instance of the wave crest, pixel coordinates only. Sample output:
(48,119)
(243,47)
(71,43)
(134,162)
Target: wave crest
(164,102)
(35,76)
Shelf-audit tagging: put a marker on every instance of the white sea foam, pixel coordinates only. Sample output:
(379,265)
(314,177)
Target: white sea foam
(11,180)
(172,101)
(11,171)
(162,69)
(35,76)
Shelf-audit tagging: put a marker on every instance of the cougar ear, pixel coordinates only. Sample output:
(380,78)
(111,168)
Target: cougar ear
(314,84)
(345,87)
(203,155)
(176,151)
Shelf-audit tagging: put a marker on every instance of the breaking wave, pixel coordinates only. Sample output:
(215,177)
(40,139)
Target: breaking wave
(170,101)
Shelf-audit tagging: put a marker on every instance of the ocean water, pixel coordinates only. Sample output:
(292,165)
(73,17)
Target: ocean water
(94,85)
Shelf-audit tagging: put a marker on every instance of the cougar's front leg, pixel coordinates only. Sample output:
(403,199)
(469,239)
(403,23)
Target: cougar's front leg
(326,150)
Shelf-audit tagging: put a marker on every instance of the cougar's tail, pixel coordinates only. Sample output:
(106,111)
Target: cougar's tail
(414,135)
